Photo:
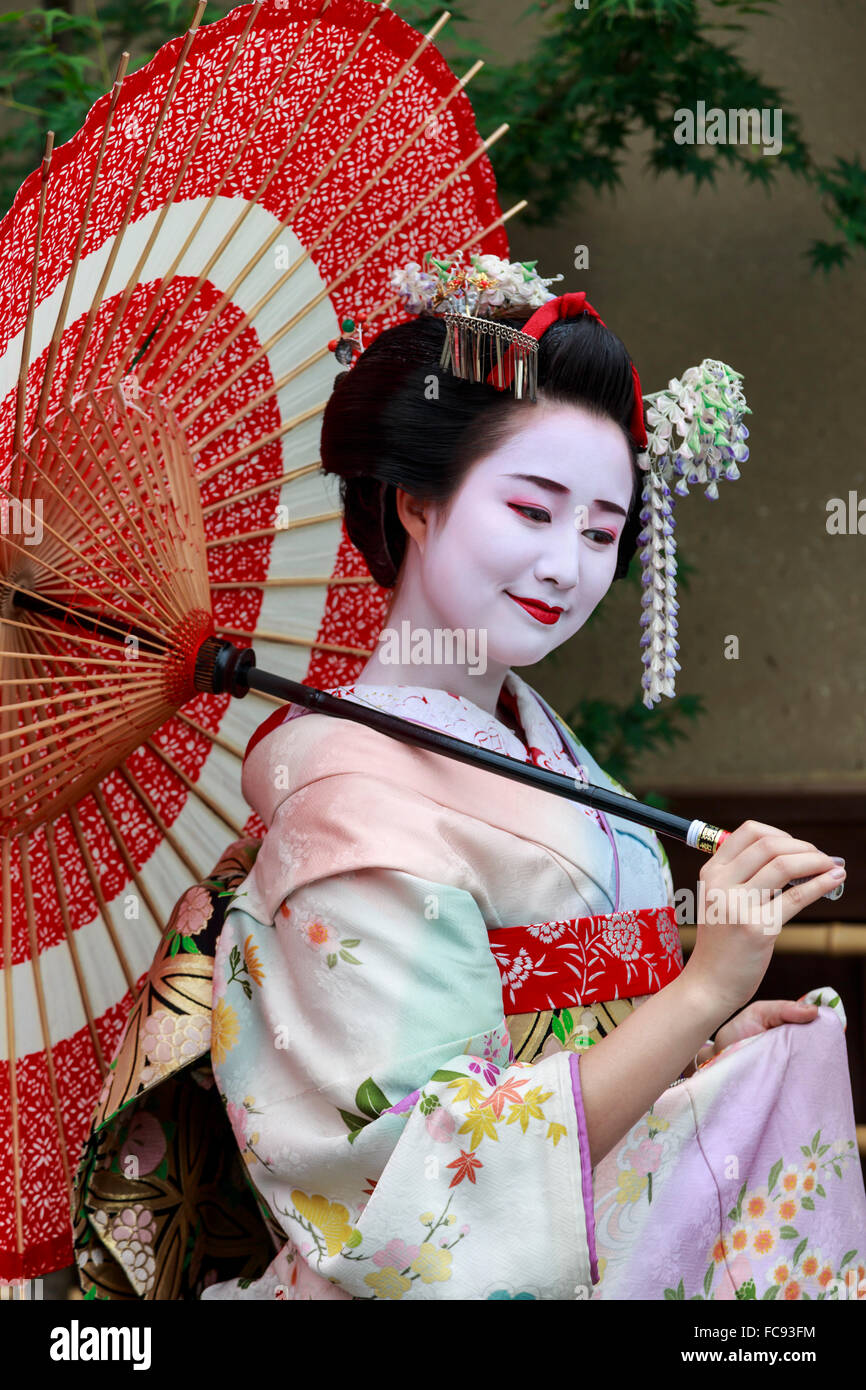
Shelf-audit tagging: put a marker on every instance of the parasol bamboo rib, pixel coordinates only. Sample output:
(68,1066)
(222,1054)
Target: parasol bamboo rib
(191,868)
(46,772)
(91,660)
(145,709)
(51,773)
(66,577)
(190,536)
(42,679)
(269,393)
(235,229)
(131,284)
(161,926)
(154,348)
(33,703)
(88,712)
(292,641)
(157,537)
(100,898)
(8,720)
(21,398)
(54,680)
(212,737)
(263,440)
(73,950)
(148,559)
(154,676)
(312,581)
(118,535)
(60,323)
(10,1043)
(40,1004)
(228,294)
(130,207)
(290,477)
(96,500)
(191,786)
(274,530)
(321,238)
(68,635)
(170,566)
(326,291)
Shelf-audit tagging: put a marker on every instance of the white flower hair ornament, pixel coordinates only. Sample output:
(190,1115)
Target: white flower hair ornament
(692,432)
(696,435)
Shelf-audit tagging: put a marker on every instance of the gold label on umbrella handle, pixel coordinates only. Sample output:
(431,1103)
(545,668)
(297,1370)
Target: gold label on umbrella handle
(710,838)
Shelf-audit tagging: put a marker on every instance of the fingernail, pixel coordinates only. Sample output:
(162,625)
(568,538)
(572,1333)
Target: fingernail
(836,859)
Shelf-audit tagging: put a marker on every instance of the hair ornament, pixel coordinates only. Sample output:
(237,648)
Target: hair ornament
(487,283)
(350,343)
(696,435)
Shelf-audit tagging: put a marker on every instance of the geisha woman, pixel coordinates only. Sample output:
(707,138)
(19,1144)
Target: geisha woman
(453,1034)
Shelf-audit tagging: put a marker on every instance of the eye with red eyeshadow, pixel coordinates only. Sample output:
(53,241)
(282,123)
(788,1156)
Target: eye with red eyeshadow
(541,515)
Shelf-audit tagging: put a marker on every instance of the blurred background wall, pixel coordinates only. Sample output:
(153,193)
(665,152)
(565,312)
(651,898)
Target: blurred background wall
(681,274)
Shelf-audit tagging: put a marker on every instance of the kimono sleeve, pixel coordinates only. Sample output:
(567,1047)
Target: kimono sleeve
(667,877)
(362,1051)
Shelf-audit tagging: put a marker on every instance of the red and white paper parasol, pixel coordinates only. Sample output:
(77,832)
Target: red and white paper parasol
(169,283)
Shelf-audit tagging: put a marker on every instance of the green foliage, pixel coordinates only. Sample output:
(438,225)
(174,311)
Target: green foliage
(608,70)
(589,80)
(55,64)
(844,190)
(618,735)
(595,76)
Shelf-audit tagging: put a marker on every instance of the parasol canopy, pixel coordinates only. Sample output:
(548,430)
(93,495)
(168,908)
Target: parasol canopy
(170,280)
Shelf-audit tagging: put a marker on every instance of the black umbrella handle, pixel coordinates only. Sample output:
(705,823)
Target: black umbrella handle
(229,669)
(223,667)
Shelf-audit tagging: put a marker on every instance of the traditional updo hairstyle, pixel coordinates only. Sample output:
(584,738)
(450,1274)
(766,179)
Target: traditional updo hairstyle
(398,419)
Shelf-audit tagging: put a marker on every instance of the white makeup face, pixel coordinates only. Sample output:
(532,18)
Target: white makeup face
(540,519)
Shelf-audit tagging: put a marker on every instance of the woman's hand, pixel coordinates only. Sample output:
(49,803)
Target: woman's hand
(760,1015)
(747,906)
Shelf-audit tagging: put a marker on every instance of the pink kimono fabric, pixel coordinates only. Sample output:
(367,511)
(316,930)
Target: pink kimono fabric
(743,1181)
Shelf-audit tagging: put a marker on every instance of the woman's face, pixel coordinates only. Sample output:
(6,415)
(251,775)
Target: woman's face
(540,519)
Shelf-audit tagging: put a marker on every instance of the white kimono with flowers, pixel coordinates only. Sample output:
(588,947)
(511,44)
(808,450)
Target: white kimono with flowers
(359,1039)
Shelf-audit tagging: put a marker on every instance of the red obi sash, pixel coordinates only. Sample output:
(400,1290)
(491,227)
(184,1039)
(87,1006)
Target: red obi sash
(551,965)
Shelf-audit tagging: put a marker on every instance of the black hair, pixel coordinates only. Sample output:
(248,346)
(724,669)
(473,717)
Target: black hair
(398,418)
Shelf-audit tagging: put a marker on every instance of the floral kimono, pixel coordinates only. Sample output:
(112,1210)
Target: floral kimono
(403,981)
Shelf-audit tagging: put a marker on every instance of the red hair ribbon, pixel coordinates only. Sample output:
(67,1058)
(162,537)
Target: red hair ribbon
(567,306)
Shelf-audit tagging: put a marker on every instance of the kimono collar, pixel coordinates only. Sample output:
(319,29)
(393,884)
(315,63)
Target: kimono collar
(573,829)
(452,714)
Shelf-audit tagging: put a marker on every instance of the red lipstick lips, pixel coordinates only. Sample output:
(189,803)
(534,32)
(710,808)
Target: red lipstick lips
(536,609)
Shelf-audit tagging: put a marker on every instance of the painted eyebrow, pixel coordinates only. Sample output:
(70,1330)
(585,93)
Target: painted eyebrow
(550,486)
